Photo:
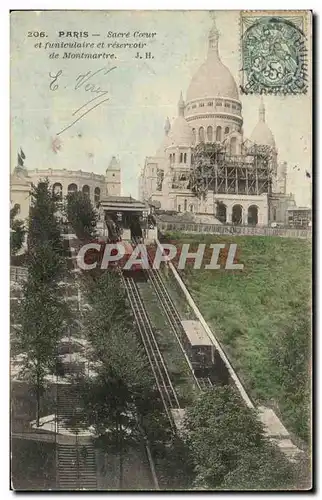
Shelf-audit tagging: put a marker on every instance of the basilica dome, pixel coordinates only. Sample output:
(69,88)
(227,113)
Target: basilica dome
(213,78)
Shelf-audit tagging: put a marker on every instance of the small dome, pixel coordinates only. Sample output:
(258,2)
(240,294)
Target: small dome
(262,134)
(213,78)
(181,133)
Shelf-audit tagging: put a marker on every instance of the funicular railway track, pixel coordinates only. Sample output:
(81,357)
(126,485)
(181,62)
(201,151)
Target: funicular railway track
(161,374)
(172,316)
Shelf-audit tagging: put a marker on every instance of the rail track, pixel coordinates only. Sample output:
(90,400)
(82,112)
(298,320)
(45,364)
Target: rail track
(172,316)
(162,378)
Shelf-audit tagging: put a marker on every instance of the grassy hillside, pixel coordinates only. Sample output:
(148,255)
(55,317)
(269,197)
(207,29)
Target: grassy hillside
(262,315)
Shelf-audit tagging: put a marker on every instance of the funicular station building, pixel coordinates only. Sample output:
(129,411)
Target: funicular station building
(205,165)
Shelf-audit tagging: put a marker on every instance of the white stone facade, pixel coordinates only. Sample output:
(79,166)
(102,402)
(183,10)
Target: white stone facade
(212,114)
(64,181)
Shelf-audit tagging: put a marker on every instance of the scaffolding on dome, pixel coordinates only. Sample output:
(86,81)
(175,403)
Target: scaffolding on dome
(215,169)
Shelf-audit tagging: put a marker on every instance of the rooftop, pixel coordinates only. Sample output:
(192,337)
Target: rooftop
(196,333)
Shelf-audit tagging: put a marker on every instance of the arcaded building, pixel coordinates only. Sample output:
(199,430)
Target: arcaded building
(96,186)
(205,165)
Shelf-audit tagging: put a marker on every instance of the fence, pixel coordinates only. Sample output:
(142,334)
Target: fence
(235,230)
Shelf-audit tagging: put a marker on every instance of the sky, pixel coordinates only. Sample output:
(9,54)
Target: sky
(141,93)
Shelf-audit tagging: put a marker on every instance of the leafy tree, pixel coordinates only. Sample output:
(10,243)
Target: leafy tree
(219,430)
(43,226)
(18,231)
(43,311)
(262,469)
(81,215)
(113,402)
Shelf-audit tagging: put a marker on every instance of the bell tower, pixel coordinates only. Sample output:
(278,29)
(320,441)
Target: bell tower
(113,178)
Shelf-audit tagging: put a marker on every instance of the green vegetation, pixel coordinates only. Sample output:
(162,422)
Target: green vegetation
(262,316)
(43,310)
(229,450)
(81,215)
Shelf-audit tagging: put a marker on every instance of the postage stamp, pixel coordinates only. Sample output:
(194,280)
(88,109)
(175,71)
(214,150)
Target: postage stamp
(274,52)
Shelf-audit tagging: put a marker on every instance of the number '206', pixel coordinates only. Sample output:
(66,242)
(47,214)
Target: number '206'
(36,33)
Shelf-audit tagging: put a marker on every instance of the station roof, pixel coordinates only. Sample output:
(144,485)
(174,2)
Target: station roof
(196,333)
(122,203)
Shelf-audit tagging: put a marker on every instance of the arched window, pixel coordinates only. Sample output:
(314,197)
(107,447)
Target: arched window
(201,134)
(97,194)
(209,134)
(185,158)
(17,208)
(86,190)
(181,157)
(227,130)
(233,146)
(185,205)
(58,190)
(179,208)
(191,208)
(274,214)
(218,134)
(72,188)
(194,135)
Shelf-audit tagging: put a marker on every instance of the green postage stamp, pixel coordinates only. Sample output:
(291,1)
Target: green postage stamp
(274,50)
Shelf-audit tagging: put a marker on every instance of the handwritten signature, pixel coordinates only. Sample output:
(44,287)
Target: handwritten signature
(84,82)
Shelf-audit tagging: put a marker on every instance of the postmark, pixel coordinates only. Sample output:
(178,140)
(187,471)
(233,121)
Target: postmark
(274,53)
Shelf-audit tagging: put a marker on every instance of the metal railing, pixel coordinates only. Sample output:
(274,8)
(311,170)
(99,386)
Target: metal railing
(191,227)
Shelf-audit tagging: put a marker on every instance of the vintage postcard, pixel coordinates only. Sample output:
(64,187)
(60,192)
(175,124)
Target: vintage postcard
(161,247)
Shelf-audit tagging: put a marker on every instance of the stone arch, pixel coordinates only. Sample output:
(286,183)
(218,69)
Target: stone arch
(221,212)
(72,188)
(58,190)
(252,214)
(237,215)
(97,195)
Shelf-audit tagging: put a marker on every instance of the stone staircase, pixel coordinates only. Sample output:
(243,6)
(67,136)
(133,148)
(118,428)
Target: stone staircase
(76,463)
(76,467)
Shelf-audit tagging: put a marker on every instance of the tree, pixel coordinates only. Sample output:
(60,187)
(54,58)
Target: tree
(43,310)
(263,469)
(219,430)
(43,226)
(18,231)
(81,215)
(113,401)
